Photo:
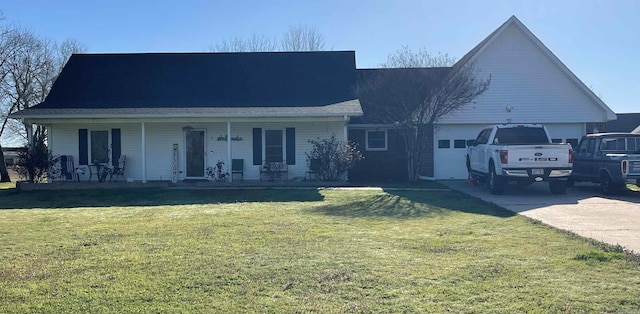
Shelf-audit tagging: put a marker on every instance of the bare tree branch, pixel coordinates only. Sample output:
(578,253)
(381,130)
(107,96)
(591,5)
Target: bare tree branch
(412,97)
(302,38)
(405,58)
(256,43)
(297,38)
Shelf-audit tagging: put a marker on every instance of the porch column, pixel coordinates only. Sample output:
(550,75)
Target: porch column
(144,155)
(229,151)
(29,128)
(346,123)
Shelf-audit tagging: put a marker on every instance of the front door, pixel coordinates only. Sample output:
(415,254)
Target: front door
(195,153)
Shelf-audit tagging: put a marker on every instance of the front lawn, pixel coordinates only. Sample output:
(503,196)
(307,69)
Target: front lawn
(284,251)
(7,185)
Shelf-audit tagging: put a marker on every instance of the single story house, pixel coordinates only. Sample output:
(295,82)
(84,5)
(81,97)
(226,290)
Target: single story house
(174,114)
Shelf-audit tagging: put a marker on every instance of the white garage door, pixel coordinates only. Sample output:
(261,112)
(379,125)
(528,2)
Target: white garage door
(450,149)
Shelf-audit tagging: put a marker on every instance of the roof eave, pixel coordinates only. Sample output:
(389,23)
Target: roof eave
(138,116)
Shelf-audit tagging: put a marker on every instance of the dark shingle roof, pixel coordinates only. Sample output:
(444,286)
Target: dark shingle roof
(626,122)
(363,75)
(188,80)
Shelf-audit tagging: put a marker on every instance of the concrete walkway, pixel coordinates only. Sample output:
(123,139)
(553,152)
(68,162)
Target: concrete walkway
(583,210)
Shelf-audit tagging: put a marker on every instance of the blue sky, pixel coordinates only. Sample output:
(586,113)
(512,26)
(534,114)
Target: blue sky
(598,40)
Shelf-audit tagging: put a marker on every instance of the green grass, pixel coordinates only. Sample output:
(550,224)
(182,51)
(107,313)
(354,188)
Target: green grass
(283,251)
(7,185)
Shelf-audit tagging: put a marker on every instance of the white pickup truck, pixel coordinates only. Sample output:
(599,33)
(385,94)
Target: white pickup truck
(521,153)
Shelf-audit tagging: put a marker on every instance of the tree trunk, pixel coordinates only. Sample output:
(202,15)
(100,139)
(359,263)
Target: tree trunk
(412,155)
(4,174)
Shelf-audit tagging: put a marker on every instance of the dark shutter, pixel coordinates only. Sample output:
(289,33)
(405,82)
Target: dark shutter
(291,146)
(257,146)
(115,147)
(83,147)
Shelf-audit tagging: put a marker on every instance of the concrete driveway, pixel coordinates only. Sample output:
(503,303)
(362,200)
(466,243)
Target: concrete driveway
(584,210)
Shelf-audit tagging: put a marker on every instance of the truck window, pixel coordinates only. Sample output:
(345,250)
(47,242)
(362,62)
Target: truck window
(591,144)
(623,144)
(521,135)
(582,149)
(609,144)
(483,137)
(632,144)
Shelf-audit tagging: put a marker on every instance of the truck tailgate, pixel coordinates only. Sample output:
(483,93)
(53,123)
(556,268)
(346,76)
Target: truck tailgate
(534,156)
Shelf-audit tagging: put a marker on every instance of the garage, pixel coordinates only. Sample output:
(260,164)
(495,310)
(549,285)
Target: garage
(450,149)
(529,84)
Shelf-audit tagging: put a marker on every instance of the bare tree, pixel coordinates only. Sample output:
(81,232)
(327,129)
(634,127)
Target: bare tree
(29,66)
(256,43)
(413,95)
(302,38)
(8,47)
(406,58)
(297,38)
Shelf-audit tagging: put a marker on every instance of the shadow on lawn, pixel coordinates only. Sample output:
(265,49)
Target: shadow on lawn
(12,199)
(414,204)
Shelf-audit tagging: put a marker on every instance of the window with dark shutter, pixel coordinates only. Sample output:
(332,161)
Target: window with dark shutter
(273,145)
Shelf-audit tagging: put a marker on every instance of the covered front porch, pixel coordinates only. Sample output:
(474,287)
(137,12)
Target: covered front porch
(195,149)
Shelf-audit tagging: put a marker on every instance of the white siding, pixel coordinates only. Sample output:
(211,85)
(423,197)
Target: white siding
(450,163)
(160,138)
(529,83)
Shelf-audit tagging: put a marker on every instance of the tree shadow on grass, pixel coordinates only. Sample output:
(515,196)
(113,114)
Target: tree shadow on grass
(413,204)
(13,199)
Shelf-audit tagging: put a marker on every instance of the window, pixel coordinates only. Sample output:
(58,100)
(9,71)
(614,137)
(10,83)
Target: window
(620,144)
(591,144)
(100,146)
(459,144)
(376,140)
(444,144)
(483,137)
(582,149)
(556,140)
(273,147)
(521,135)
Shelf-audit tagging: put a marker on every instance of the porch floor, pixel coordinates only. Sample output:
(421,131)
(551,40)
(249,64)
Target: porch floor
(187,184)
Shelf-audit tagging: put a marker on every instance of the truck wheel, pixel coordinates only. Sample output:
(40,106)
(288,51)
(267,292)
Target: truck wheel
(496,182)
(558,186)
(607,186)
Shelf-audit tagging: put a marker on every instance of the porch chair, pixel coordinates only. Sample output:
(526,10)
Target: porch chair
(314,168)
(237,167)
(67,168)
(119,170)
